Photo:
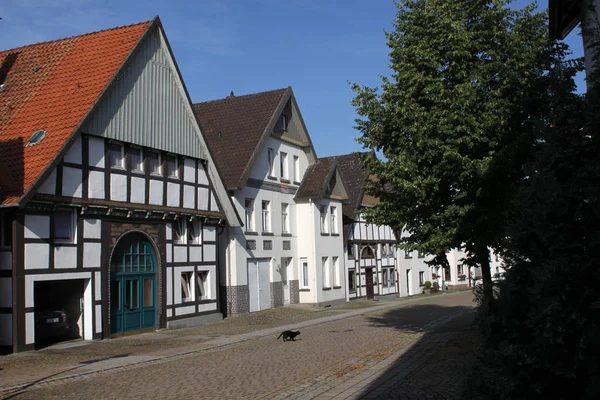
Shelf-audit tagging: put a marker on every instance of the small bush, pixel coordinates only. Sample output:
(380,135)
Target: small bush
(427,285)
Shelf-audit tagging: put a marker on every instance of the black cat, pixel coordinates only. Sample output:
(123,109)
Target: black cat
(289,335)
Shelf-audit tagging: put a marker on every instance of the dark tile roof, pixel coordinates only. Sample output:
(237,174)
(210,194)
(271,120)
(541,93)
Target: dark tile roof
(355,178)
(52,86)
(234,128)
(316,178)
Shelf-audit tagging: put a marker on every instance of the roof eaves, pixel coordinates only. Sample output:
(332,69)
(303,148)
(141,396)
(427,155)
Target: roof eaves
(65,147)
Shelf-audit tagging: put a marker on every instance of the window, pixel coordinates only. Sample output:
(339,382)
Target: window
(249,205)
(407,254)
(420,254)
(186,286)
(304,273)
(137,160)
(336,272)
(326,273)
(179,230)
(202,285)
(285,222)
(367,252)
(6,231)
(352,280)
(271,157)
(284,122)
(333,219)
(323,210)
(115,155)
(266,217)
(64,226)
(421,278)
(283,161)
(296,169)
(171,166)
(195,231)
(459,269)
(350,251)
(153,163)
(392,277)
(386,275)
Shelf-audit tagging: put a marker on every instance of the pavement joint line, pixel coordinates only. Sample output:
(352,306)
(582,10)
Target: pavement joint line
(231,341)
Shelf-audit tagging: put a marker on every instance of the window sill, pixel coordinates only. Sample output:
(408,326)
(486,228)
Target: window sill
(406,258)
(63,243)
(272,178)
(284,180)
(327,288)
(337,287)
(267,234)
(137,171)
(324,234)
(251,233)
(335,234)
(304,290)
(296,183)
(286,234)
(155,175)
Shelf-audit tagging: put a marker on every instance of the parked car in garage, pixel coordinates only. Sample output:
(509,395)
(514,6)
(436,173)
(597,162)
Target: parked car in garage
(51,324)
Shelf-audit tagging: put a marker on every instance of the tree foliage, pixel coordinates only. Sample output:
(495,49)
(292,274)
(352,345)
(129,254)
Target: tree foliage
(453,122)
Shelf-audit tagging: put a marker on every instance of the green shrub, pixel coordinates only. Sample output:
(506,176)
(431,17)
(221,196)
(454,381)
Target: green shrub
(427,285)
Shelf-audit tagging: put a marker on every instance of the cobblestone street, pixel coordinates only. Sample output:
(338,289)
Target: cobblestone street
(397,349)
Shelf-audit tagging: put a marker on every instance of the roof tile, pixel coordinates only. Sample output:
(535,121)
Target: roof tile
(52,86)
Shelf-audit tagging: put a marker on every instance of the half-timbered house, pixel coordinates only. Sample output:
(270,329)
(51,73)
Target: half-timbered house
(112,205)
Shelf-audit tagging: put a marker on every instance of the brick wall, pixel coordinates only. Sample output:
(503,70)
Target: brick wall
(276,294)
(294,292)
(238,296)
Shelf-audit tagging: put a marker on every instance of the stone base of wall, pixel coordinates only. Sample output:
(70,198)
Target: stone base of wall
(332,302)
(276,294)
(194,321)
(234,299)
(294,292)
(462,286)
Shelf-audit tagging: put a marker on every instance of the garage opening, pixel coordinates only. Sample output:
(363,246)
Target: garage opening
(58,307)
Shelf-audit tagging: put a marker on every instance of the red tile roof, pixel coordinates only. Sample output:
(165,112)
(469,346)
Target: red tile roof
(52,86)
(233,128)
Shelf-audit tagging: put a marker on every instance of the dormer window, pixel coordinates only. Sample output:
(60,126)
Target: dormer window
(284,122)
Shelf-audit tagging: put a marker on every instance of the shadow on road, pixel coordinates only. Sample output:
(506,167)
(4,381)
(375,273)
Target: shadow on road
(435,365)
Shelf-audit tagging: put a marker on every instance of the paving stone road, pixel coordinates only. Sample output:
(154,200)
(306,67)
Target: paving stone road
(396,350)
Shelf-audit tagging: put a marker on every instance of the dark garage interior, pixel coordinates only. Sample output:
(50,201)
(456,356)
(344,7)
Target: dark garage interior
(58,311)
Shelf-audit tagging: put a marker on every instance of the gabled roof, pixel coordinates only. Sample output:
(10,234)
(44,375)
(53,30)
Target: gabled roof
(317,178)
(237,127)
(53,86)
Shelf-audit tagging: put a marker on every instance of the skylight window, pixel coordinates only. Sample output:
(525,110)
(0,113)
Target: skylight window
(36,138)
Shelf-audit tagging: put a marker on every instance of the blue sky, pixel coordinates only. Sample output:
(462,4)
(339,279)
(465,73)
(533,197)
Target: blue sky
(248,46)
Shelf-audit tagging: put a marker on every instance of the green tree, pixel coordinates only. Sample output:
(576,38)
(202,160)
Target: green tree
(454,122)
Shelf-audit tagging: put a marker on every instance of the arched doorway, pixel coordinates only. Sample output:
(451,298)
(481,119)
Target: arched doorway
(132,285)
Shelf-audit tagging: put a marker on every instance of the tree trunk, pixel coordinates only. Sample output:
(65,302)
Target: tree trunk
(486,275)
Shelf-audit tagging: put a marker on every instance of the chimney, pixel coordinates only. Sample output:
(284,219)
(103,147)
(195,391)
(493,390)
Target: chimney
(231,94)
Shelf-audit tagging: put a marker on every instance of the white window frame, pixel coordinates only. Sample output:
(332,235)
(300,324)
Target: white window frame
(194,231)
(336,272)
(285,218)
(304,271)
(249,210)
(323,214)
(180,230)
(283,165)
(421,278)
(266,216)
(121,161)
(159,163)
(187,289)
(70,214)
(333,219)
(326,272)
(271,159)
(284,122)
(141,164)
(175,173)
(203,285)
(296,169)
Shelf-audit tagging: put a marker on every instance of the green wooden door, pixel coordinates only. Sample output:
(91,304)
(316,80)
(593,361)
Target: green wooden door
(133,285)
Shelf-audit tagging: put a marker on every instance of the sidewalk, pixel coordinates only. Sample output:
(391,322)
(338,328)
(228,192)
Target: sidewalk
(71,360)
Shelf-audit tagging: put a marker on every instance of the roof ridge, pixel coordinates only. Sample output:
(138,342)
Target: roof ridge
(80,35)
(241,96)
